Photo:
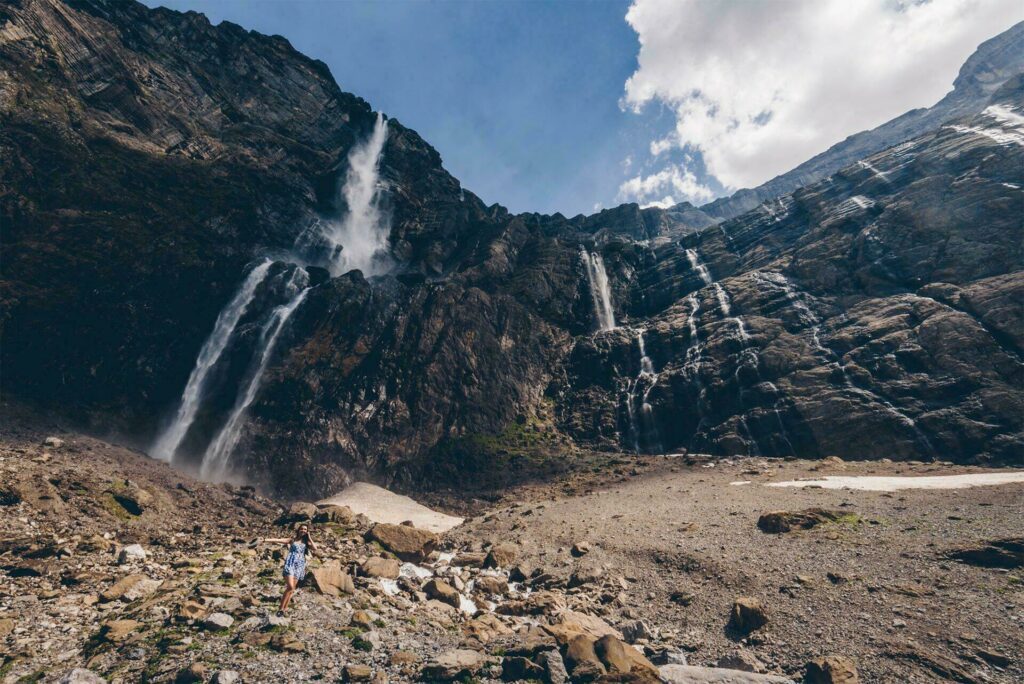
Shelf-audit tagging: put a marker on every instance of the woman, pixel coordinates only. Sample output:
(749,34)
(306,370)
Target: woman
(295,563)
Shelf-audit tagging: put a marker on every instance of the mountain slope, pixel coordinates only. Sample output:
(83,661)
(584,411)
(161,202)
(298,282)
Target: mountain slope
(992,64)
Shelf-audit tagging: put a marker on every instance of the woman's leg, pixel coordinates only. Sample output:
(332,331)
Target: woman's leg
(290,583)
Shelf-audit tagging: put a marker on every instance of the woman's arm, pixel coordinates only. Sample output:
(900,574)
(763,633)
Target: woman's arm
(270,540)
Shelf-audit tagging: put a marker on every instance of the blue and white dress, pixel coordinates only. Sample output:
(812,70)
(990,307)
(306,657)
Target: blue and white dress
(295,563)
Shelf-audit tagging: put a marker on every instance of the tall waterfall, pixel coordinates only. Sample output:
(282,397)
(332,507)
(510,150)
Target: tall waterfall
(700,268)
(215,465)
(600,291)
(643,431)
(166,445)
(360,239)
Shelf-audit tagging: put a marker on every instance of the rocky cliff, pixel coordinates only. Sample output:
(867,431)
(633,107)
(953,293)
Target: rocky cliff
(149,159)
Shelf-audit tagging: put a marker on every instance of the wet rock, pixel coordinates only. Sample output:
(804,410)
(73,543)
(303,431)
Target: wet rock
(453,665)
(131,554)
(442,591)
(218,622)
(408,543)
(778,522)
(331,580)
(748,614)
(501,555)
(388,568)
(80,675)
(831,670)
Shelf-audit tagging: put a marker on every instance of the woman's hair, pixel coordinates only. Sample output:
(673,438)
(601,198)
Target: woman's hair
(303,535)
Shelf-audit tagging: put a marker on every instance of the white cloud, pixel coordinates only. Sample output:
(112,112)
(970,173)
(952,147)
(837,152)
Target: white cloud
(759,88)
(649,191)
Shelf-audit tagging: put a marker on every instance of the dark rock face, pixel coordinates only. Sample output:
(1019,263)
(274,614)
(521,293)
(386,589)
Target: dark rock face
(149,158)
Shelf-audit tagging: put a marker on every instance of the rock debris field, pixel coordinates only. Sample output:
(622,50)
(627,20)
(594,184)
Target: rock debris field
(116,568)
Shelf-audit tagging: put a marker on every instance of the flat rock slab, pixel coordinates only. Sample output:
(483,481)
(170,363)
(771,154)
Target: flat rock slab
(871,483)
(383,506)
(689,674)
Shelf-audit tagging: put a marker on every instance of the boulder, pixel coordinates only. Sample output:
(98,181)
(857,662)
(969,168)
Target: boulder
(388,568)
(286,643)
(132,498)
(300,511)
(554,665)
(408,543)
(192,674)
(357,673)
(747,615)
(741,660)
(129,586)
(442,591)
(501,555)
(53,443)
(119,631)
(580,549)
(635,630)
(6,626)
(470,559)
(690,674)
(620,658)
(218,622)
(582,660)
(331,580)
(131,553)
(831,670)
(485,628)
(518,668)
(364,619)
(225,677)
(341,515)
(80,675)
(778,522)
(493,586)
(451,665)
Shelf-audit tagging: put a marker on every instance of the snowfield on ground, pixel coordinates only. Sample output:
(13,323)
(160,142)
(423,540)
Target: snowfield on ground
(383,506)
(871,483)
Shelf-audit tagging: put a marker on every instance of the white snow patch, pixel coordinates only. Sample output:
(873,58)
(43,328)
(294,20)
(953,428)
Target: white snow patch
(739,483)
(872,483)
(383,506)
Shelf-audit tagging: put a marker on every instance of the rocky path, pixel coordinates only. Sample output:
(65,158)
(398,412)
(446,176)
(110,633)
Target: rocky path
(117,568)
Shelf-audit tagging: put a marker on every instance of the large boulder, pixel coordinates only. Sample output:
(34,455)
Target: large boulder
(582,660)
(777,522)
(330,513)
(690,674)
(620,658)
(331,580)
(442,591)
(388,568)
(130,588)
(748,614)
(501,555)
(408,543)
(831,670)
(451,665)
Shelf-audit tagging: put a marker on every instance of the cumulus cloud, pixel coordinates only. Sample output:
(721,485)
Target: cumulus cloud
(758,88)
(663,188)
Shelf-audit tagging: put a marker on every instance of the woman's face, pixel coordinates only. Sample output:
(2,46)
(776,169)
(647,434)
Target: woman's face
(303,531)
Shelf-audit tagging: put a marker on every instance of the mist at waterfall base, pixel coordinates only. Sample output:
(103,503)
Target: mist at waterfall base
(208,423)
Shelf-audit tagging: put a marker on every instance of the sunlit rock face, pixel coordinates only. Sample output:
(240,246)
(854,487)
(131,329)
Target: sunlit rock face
(151,161)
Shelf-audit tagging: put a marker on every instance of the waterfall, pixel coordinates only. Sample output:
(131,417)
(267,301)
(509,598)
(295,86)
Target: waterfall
(360,239)
(215,460)
(168,442)
(600,291)
(700,268)
(648,378)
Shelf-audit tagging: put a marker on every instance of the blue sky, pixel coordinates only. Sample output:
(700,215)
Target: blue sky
(576,105)
(520,98)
